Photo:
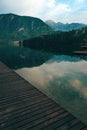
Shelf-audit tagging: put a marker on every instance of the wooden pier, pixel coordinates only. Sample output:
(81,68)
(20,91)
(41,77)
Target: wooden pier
(23,107)
(82,51)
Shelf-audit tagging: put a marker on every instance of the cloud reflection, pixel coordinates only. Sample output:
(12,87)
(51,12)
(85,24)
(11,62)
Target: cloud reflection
(72,73)
(65,82)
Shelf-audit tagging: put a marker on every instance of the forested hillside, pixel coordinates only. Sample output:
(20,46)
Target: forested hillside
(14,27)
(59,42)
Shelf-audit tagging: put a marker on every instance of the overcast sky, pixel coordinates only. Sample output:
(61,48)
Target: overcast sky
(65,11)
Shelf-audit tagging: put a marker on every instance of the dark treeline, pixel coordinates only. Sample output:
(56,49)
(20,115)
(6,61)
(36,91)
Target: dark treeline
(59,42)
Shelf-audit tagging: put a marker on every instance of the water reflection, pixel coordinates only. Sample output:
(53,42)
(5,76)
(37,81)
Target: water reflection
(19,57)
(64,79)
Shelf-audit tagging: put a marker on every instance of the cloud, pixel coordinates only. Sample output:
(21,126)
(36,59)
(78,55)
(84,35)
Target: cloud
(75,17)
(80,1)
(59,11)
(49,8)
(32,7)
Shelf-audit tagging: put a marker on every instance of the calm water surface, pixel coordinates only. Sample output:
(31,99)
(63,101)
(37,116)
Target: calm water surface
(64,79)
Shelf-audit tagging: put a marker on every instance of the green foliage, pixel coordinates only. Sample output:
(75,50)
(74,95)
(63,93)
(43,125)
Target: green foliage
(59,42)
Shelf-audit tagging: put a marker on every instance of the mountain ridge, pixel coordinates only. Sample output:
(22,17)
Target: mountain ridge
(16,27)
(58,26)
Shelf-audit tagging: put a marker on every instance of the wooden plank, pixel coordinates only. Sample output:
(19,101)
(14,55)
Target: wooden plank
(84,47)
(80,52)
(23,107)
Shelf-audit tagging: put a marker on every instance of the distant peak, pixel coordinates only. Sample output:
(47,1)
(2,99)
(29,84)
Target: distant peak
(50,21)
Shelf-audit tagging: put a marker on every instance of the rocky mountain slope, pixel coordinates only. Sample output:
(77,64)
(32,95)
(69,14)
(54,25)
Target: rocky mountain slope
(16,27)
(64,27)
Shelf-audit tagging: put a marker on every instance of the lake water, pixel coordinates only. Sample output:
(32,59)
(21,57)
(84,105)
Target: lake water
(64,79)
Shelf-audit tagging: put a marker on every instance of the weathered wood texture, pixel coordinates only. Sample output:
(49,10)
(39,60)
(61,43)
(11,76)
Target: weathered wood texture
(23,107)
(80,52)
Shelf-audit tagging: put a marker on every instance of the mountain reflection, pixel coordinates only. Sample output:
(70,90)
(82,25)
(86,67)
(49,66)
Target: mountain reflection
(18,57)
(64,79)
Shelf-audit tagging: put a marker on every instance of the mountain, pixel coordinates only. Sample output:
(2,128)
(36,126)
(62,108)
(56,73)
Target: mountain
(52,24)
(64,27)
(16,27)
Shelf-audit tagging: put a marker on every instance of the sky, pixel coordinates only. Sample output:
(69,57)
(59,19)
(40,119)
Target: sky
(65,11)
